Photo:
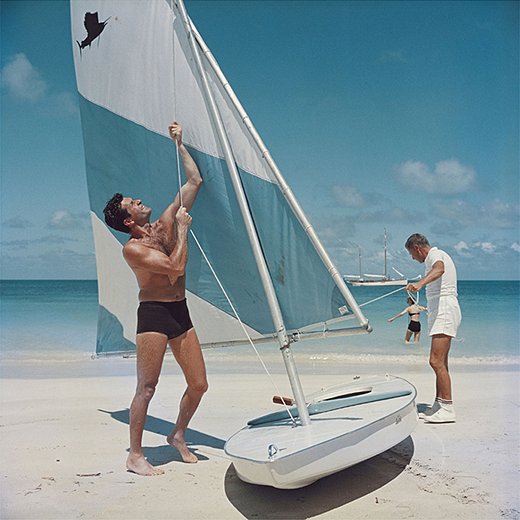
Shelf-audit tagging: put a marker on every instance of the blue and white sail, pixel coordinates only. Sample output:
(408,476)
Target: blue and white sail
(136,73)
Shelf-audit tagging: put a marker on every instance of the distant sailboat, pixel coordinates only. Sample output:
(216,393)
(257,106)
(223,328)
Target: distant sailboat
(377,280)
(151,67)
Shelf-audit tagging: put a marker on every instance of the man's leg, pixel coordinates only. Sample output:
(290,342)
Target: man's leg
(151,347)
(442,410)
(440,348)
(187,352)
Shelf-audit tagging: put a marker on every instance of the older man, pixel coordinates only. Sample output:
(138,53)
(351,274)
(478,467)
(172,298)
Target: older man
(444,318)
(157,253)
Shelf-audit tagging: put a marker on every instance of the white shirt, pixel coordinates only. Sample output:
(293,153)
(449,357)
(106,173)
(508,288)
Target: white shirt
(446,285)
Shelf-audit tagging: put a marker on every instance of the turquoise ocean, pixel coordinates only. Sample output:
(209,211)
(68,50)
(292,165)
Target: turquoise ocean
(57,319)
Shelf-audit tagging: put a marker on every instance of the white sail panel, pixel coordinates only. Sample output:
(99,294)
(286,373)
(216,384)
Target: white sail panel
(147,84)
(115,71)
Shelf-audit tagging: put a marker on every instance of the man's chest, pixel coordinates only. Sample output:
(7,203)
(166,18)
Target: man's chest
(161,239)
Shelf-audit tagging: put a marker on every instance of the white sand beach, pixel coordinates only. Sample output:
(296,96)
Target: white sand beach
(64,434)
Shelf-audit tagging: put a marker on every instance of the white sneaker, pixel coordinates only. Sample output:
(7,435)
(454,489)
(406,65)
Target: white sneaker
(430,410)
(445,414)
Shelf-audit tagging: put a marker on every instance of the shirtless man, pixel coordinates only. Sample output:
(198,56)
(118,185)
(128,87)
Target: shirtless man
(157,252)
(444,318)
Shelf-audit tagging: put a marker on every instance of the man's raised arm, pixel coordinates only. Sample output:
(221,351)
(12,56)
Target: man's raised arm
(191,187)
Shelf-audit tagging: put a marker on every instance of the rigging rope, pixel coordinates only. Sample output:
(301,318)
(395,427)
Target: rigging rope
(411,295)
(242,325)
(235,312)
(174,95)
(246,333)
(384,296)
(179,181)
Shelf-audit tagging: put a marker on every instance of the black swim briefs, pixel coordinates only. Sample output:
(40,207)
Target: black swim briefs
(414,326)
(170,318)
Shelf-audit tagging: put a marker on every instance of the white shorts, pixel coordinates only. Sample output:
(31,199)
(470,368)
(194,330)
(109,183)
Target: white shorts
(444,316)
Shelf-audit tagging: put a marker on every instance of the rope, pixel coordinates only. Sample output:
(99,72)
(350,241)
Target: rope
(241,323)
(179,180)
(174,95)
(411,296)
(384,296)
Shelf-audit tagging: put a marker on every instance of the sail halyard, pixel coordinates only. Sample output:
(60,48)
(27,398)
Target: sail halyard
(251,231)
(385,269)
(284,187)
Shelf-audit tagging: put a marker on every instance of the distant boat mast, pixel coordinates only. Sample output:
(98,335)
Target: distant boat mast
(385,271)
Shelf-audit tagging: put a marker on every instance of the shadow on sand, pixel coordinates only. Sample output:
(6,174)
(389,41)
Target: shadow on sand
(265,502)
(422,407)
(159,455)
(324,495)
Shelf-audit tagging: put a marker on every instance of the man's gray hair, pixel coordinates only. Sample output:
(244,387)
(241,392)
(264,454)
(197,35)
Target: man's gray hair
(416,240)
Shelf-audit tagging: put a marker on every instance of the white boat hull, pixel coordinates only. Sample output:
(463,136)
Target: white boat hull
(277,453)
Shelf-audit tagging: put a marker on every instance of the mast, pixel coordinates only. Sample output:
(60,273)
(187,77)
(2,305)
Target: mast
(286,190)
(265,277)
(385,272)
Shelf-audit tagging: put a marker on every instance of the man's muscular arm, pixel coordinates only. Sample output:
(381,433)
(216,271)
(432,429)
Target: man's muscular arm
(193,182)
(141,257)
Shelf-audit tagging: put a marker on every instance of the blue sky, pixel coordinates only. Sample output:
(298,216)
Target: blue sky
(396,115)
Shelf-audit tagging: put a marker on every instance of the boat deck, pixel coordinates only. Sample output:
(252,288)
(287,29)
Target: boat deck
(281,438)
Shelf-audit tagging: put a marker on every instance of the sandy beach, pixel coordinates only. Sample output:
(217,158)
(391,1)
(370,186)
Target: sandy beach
(64,433)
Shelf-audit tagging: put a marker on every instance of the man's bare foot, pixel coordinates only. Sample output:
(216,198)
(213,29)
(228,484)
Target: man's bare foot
(138,464)
(180,445)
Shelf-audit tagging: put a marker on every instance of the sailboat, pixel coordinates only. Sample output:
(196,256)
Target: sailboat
(377,280)
(147,67)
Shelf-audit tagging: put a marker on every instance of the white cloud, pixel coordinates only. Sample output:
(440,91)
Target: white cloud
(461,214)
(348,196)
(22,79)
(64,219)
(487,247)
(61,219)
(499,247)
(448,176)
(462,248)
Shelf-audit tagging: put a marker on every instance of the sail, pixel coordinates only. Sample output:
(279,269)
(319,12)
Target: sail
(135,74)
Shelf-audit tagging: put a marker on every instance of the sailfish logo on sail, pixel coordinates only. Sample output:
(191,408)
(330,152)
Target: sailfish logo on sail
(94,29)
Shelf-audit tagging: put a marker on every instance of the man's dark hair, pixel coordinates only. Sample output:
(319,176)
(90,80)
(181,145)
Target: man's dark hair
(416,240)
(115,215)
